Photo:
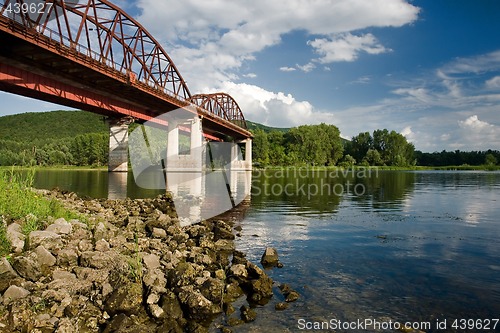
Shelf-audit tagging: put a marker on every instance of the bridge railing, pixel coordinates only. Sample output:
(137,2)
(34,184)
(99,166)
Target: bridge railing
(92,57)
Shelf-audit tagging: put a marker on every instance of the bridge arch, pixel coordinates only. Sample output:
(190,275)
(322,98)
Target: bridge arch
(222,105)
(102,31)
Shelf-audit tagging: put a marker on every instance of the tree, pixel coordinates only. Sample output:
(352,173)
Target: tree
(490,159)
(260,150)
(360,145)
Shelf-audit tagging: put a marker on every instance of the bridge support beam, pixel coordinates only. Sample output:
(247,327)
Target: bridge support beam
(118,145)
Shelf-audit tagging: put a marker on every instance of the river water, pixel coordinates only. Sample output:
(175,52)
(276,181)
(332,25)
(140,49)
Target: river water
(365,247)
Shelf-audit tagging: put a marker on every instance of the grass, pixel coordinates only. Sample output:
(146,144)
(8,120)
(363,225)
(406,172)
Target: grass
(19,202)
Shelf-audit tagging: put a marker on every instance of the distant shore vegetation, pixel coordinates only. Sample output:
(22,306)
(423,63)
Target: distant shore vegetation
(77,138)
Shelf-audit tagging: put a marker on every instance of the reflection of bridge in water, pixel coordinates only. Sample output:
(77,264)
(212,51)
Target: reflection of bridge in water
(197,196)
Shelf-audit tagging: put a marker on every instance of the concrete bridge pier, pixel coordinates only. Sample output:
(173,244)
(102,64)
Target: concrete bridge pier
(245,162)
(194,160)
(118,144)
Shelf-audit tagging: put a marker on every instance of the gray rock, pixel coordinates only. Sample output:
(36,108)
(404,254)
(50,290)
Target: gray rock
(270,257)
(16,237)
(247,314)
(13,293)
(67,257)
(199,307)
(61,227)
(126,299)
(45,258)
(65,326)
(50,240)
(239,271)
(151,261)
(102,245)
(62,275)
(27,266)
(159,233)
(98,260)
(7,274)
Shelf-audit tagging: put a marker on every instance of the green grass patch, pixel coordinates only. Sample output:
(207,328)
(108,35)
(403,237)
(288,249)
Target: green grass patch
(19,202)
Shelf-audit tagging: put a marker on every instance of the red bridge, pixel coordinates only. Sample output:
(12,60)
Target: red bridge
(93,56)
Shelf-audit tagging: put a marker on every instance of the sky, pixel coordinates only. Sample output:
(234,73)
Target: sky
(427,69)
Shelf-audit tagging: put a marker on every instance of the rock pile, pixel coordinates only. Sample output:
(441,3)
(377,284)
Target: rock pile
(127,266)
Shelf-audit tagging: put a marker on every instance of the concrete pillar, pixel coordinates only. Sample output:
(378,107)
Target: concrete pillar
(172,145)
(118,145)
(197,149)
(248,154)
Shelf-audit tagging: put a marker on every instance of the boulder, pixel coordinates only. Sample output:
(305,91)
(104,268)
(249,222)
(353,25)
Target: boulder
(45,258)
(126,299)
(50,240)
(16,237)
(27,266)
(60,227)
(7,274)
(13,293)
(269,257)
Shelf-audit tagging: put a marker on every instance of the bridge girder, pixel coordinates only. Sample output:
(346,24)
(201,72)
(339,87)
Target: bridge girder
(222,105)
(106,33)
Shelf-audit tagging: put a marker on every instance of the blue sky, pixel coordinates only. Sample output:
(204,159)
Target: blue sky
(427,69)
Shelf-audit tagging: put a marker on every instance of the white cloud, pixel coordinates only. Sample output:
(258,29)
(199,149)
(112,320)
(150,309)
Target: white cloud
(345,47)
(250,75)
(307,67)
(210,41)
(275,109)
(408,133)
(493,83)
(473,123)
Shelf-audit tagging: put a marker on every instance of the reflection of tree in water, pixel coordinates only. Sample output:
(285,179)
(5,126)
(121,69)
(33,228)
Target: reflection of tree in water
(386,189)
(323,190)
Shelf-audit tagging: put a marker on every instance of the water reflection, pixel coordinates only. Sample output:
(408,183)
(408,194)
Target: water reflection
(322,191)
(197,195)
(415,246)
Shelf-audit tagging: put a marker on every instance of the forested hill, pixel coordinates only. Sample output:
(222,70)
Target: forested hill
(255,126)
(53,138)
(40,126)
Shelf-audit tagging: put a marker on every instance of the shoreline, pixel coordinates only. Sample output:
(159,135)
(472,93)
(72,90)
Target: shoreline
(127,266)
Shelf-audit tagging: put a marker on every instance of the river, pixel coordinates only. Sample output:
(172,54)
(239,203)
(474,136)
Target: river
(363,247)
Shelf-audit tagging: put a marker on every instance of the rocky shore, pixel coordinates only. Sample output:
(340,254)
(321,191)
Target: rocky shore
(128,266)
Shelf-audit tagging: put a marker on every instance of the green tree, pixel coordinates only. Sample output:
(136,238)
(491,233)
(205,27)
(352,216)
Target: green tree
(359,145)
(490,159)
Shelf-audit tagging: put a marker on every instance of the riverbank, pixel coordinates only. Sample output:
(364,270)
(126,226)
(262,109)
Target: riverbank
(124,266)
(388,168)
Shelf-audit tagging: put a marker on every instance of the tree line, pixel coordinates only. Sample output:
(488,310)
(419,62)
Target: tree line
(81,138)
(321,145)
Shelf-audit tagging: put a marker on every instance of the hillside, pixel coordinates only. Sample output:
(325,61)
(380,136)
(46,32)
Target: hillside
(41,126)
(253,126)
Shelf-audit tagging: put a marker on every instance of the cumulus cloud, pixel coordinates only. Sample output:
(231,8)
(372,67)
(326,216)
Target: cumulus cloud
(345,47)
(275,109)
(213,39)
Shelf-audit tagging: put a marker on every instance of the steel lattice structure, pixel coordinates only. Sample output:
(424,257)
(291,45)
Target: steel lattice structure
(90,54)
(105,33)
(222,105)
